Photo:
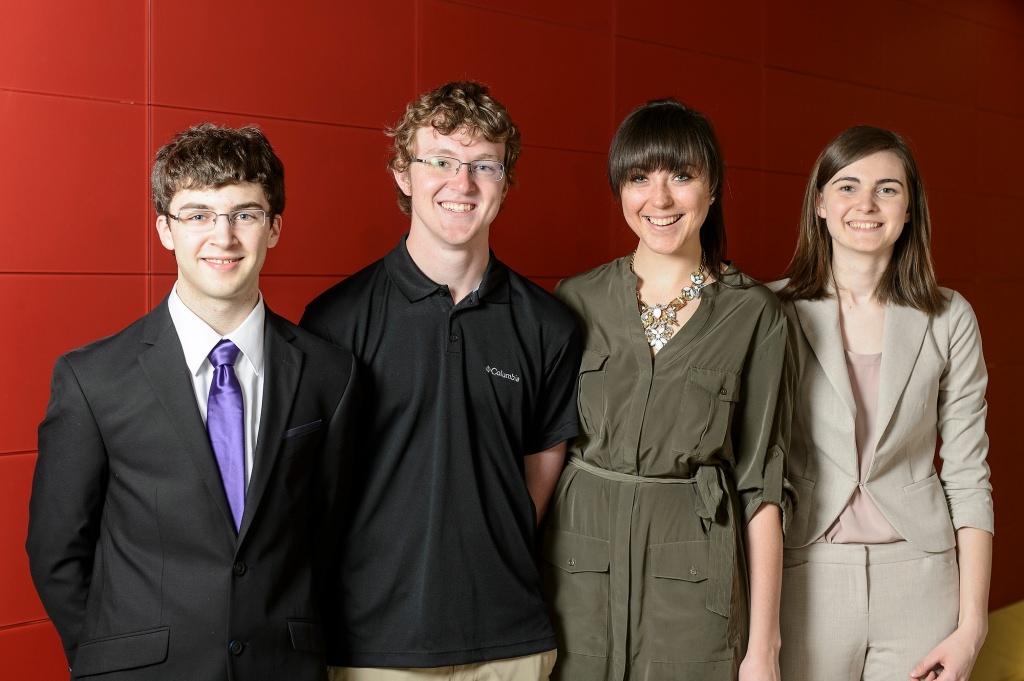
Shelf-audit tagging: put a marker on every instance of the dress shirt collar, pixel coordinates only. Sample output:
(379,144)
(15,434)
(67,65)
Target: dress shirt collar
(198,339)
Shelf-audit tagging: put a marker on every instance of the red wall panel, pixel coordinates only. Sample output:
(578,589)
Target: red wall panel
(553,78)
(88,93)
(63,312)
(997,82)
(590,14)
(32,652)
(732,28)
(20,603)
(348,63)
(80,49)
(556,221)
(727,91)
(802,113)
(73,178)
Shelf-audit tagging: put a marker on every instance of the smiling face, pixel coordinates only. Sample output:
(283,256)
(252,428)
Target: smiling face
(452,212)
(865,206)
(219,269)
(666,210)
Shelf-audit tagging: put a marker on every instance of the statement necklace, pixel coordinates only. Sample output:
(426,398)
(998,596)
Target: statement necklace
(658,319)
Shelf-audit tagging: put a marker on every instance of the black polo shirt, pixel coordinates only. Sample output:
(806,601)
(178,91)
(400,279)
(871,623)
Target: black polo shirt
(438,566)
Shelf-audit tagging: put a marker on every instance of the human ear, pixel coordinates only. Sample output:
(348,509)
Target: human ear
(163,229)
(403,180)
(275,231)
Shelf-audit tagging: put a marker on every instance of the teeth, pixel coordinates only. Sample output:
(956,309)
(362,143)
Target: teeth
(221,262)
(457,207)
(663,222)
(864,225)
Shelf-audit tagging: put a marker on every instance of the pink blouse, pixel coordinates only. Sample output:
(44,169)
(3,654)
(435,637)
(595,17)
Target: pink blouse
(861,522)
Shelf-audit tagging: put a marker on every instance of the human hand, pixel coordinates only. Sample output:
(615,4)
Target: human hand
(760,667)
(953,658)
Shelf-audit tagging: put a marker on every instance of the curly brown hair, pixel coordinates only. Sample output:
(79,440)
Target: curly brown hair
(458,105)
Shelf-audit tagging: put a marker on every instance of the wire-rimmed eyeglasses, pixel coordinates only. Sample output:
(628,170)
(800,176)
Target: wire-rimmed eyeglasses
(450,167)
(203,220)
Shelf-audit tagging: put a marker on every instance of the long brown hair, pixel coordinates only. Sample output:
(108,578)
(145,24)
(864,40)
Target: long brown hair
(910,277)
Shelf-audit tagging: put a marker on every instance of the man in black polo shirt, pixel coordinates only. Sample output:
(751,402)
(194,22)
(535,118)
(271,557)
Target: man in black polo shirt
(470,381)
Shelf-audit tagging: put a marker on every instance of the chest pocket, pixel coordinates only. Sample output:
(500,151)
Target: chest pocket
(591,398)
(705,412)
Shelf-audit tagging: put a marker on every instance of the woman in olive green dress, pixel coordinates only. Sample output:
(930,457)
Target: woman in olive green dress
(664,540)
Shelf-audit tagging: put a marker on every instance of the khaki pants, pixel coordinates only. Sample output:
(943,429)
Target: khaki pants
(527,668)
(871,612)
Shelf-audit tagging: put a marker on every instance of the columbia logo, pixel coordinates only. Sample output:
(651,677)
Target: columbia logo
(501,374)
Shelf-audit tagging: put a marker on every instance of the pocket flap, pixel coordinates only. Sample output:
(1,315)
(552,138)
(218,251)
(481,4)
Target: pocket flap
(576,552)
(685,560)
(724,384)
(306,635)
(298,431)
(592,360)
(125,651)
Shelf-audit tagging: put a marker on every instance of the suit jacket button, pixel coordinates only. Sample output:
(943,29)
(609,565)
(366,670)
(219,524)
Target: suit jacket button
(238,568)
(236,647)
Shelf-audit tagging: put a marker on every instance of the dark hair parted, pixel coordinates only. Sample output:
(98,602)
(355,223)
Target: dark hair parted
(455,106)
(909,278)
(207,155)
(665,134)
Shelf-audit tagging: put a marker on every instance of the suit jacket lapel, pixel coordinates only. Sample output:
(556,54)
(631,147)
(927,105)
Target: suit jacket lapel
(164,365)
(905,329)
(819,320)
(283,366)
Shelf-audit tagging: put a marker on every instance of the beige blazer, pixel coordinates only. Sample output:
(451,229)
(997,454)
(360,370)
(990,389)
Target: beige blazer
(932,387)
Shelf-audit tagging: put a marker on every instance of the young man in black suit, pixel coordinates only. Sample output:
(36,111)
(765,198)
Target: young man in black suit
(190,466)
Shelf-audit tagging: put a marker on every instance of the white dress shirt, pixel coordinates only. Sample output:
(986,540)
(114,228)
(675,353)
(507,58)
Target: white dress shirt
(198,339)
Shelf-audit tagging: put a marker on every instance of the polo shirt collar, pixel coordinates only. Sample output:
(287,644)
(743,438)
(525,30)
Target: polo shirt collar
(494,287)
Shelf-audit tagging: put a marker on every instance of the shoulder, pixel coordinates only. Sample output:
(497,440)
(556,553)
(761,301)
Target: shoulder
(742,290)
(528,298)
(349,291)
(957,316)
(956,304)
(326,355)
(120,347)
(599,276)
(595,286)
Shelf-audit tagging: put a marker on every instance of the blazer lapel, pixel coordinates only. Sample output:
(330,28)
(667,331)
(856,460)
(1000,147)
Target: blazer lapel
(819,320)
(164,365)
(905,329)
(282,365)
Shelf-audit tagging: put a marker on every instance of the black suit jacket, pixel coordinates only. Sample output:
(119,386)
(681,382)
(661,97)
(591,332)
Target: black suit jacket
(131,542)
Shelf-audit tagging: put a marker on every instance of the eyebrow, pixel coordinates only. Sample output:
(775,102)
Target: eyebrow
(238,206)
(445,151)
(849,178)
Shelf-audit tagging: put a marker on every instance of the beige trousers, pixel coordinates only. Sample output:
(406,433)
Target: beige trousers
(527,668)
(855,611)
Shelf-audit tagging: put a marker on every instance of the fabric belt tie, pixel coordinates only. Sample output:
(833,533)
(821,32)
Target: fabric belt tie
(710,484)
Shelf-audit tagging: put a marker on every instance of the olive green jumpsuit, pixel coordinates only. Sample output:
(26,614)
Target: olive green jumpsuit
(643,555)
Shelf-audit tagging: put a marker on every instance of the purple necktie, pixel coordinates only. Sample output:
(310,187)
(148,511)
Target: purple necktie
(225,422)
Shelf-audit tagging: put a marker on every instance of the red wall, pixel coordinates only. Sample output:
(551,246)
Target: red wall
(89,90)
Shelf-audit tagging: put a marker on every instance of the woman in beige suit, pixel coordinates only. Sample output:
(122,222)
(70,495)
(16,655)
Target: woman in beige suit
(887,562)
